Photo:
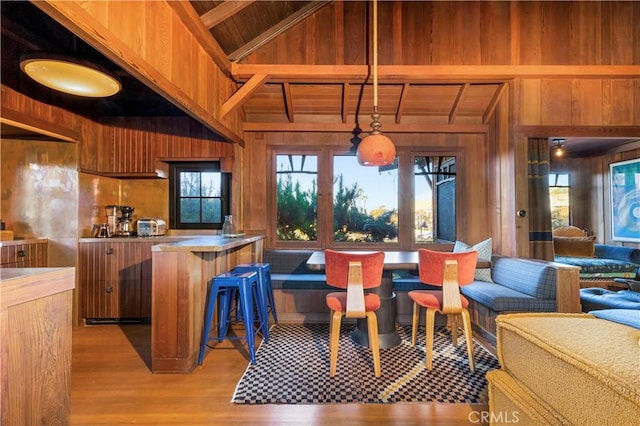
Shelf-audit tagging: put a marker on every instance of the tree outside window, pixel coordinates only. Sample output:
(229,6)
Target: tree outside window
(366,202)
(559,188)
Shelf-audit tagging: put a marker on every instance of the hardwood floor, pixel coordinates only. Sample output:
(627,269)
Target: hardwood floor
(111,384)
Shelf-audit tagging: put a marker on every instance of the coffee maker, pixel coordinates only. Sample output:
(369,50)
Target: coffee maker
(124,227)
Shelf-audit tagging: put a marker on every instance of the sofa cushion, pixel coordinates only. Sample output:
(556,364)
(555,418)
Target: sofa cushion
(596,267)
(628,317)
(534,278)
(585,368)
(300,282)
(503,299)
(599,298)
(625,254)
(485,250)
(574,246)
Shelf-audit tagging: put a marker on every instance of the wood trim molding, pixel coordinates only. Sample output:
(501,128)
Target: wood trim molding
(579,131)
(348,128)
(428,73)
(33,124)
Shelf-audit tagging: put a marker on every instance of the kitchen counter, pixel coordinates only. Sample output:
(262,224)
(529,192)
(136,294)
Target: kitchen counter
(159,239)
(210,243)
(18,242)
(181,273)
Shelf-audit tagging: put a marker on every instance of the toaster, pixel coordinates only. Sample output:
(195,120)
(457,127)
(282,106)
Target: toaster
(151,227)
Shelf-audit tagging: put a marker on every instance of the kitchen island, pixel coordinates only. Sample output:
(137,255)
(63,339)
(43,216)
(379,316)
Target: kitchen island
(35,343)
(181,272)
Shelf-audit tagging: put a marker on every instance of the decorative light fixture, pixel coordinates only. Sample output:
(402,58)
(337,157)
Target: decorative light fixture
(70,76)
(558,149)
(376,149)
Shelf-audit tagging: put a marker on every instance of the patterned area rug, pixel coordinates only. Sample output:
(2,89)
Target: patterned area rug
(293,368)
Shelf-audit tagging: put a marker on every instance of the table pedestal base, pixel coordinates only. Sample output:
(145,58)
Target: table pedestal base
(387,334)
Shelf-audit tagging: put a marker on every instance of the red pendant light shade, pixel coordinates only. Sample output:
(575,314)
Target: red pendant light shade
(376,149)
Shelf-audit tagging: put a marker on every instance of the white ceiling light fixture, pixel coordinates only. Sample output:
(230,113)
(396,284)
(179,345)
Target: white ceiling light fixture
(70,76)
(376,149)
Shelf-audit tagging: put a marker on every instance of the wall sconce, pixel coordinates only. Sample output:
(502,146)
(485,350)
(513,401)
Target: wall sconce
(558,148)
(70,76)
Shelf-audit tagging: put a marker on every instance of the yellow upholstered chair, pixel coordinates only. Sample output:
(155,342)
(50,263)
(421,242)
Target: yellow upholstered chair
(354,272)
(449,270)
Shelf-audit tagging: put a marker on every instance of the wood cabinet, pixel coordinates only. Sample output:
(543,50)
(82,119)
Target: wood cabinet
(24,254)
(114,281)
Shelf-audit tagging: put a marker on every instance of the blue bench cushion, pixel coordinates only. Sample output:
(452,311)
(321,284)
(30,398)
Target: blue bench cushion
(503,299)
(623,316)
(626,254)
(530,277)
(300,282)
(594,267)
(599,298)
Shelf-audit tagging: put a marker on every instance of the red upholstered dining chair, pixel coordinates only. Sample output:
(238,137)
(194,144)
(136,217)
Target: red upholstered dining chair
(448,270)
(354,272)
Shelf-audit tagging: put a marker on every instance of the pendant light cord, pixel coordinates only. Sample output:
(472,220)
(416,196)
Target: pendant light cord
(375,55)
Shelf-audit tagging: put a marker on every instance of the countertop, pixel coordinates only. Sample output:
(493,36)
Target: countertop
(8,243)
(207,243)
(19,285)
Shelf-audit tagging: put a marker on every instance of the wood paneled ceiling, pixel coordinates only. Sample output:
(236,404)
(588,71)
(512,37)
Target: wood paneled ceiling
(298,98)
(241,27)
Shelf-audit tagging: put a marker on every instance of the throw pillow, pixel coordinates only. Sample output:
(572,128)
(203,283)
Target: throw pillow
(574,246)
(485,250)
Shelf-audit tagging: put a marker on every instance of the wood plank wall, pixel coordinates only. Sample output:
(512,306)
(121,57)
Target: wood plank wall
(465,33)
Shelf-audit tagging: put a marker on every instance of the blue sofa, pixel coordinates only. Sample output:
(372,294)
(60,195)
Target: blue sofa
(609,262)
(521,285)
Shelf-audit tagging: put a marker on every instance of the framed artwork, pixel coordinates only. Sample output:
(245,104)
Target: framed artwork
(625,200)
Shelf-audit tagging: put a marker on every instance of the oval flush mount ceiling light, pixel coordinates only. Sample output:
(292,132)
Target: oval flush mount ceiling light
(70,76)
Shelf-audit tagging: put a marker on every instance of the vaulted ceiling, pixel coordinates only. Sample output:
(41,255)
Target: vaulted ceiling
(241,28)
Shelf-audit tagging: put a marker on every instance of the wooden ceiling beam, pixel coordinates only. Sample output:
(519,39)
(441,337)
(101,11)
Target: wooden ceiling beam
(241,95)
(345,102)
(493,103)
(277,29)
(348,128)
(402,102)
(428,73)
(222,12)
(288,101)
(459,98)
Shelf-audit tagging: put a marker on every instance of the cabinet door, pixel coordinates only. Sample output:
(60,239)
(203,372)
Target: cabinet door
(115,280)
(27,255)
(98,280)
(133,291)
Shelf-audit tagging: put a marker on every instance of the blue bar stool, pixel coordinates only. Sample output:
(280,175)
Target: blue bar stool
(264,269)
(246,284)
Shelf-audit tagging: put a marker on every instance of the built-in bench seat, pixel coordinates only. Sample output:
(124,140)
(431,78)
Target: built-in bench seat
(300,292)
(289,271)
